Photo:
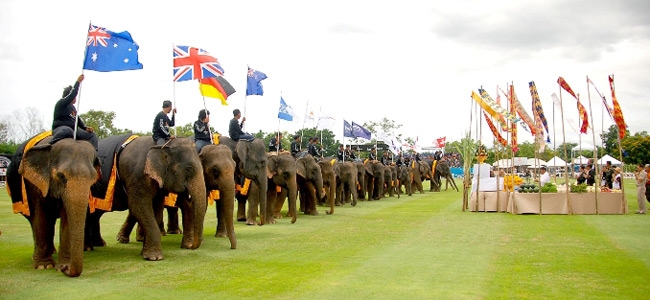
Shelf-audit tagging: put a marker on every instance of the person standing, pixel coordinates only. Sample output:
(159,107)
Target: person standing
(235,128)
(544,177)
(591,175)
(202,130)
(608,173)
(162,123)
(616,183)
(65,116)
(641,177)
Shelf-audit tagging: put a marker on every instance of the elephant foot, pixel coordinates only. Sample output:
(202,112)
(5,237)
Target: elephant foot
(354,203)
(44,264)
(123,239)
(277,215)
(337,204)
(271,220)
(221,233)
(251,222)
(312,212)
(152,255)
(174,231)
(241,219)
(189,244)
(98,243)
(65,269)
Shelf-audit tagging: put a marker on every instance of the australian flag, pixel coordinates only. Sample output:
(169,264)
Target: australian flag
(108,51)
(254,82)
(347,129)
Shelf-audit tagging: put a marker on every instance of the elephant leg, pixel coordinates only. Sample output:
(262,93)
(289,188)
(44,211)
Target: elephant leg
(43,232)
(352,191)
(221,222)
(123,236)
(310,199)
(277,206)
(140,207)
(188,219)
(253,202)
(271,198)
(92,236)
(241,208)
(172,221)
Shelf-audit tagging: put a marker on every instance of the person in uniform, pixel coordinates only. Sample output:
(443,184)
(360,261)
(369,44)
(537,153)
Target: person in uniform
(235,128)
(162,122)
(202,130)
(275,144)
(295,145)
(65,116)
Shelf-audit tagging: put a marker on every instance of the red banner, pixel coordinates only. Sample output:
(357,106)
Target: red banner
(495,132)
(513,128)
(581,108)
(618,114)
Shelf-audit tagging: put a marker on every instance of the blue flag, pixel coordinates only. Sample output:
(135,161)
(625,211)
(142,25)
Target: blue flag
(286,112)
(108,51)
(254,82)
(347,129)
(360,132)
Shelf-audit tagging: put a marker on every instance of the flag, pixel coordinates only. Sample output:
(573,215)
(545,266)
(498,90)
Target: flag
(581,109)
(522,113)
(494,130)
(538,112)
(567,119)
(498,101)
(359,132)
(108,51)
(618,113)
(194,63)
(285,112)
(347,129)
(440,142)
(254,82)
(325,122)
(216,87)
(502,114)
(609,109)
(486,107)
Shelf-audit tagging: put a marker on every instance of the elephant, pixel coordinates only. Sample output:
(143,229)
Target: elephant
(389,181)
(420,172)
(361,180)
(57,181)
(310,184)
(329,182)
(374,179)
(148,173)
(405,178)
(218,173)
(251,160)
(442,171)
(281,170)
(346,183)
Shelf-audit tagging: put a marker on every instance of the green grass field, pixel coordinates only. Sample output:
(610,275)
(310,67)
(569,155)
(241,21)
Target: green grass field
(418,247)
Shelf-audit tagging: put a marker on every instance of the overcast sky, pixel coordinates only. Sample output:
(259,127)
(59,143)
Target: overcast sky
(415,62)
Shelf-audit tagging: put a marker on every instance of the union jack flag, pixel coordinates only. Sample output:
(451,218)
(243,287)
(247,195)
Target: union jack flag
(96,35)
(194,63)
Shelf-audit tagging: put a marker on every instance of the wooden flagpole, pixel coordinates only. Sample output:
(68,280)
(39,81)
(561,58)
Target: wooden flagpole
(246,94)
(477,174)
(174,89)
(593,137)
(566,174)
(76,117)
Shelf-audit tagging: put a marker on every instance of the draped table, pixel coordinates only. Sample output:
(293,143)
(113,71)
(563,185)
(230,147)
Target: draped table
(551,203)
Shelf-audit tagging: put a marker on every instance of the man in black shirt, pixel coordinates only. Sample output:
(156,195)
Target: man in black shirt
(591,175)
(275,145)
(340,155)
(161,124)
(349,153)
(202,136)
(385,160)
(313,149)
(373,154)
(235,128)
(65,115)
(295,145)
(399,161)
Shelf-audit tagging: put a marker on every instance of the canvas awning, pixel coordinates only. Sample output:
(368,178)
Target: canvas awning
(556,162)
(603,160)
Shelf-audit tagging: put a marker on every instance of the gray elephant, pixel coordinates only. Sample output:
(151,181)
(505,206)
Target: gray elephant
(442,170)
(346,183)
(420,172)
(281,170)
(251,160)
(389,186)
(374,179)
(361,179)
(57,180)
(310,184)
(405,178)
(329,182)
(148,173)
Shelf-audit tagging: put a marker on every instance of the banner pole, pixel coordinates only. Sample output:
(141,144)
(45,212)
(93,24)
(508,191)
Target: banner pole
(173,90)
(593,137)
(566,174)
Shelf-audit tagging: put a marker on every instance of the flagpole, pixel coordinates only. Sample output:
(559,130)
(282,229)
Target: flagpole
(303,121)
(277,139)
(593,137)
(246,95)
(173,90)
(620,149)
(554,145)
(76,117)
(566,174)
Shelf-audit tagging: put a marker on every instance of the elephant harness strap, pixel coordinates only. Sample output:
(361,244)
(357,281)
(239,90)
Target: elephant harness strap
(243,190)
(23,207)
(106,204)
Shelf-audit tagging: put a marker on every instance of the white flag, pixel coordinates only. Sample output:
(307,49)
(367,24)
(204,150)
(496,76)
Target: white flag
(325,121)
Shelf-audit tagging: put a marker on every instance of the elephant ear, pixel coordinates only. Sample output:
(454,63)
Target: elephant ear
(35,167)
(242,152)
(300,168)
(156,165)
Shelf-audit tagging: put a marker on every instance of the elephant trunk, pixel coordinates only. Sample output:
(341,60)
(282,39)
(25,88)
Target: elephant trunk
(73,220)
(293,194)
(331,194)
(199,206)
(319,193)
(263,184)
(227,198)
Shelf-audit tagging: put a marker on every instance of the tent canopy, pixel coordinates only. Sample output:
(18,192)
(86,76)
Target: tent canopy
(603,160)
(555,162)
(583,146)
(580,160)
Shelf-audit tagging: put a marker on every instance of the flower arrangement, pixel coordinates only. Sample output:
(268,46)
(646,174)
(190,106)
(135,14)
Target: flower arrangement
(481,153)
(510,181)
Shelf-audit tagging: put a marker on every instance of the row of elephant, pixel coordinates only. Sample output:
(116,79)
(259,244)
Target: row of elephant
(57,180)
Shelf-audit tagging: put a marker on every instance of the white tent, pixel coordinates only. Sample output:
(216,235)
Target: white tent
(583,146)
(555,162)
(580,160)
(533,163)
(603,160)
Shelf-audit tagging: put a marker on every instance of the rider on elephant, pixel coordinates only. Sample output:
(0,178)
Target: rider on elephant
(161,124)
(275,144)
(65,116)
(349,153)
(313,149)
(235,128)
(295,145)
(202,130)
(373,154)
(385,160)
(399,161)
(341,155)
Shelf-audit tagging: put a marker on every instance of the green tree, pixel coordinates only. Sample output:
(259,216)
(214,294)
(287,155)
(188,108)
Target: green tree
(330,144)
(636,148)
(559,151)
(102,122)
(610,139)
(384,125)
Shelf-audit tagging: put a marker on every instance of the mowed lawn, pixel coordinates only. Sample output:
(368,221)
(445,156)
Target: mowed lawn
(417,247)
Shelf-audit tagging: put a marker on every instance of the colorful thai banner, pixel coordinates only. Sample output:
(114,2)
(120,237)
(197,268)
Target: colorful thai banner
(495,132)
(538,112)
(618,113)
